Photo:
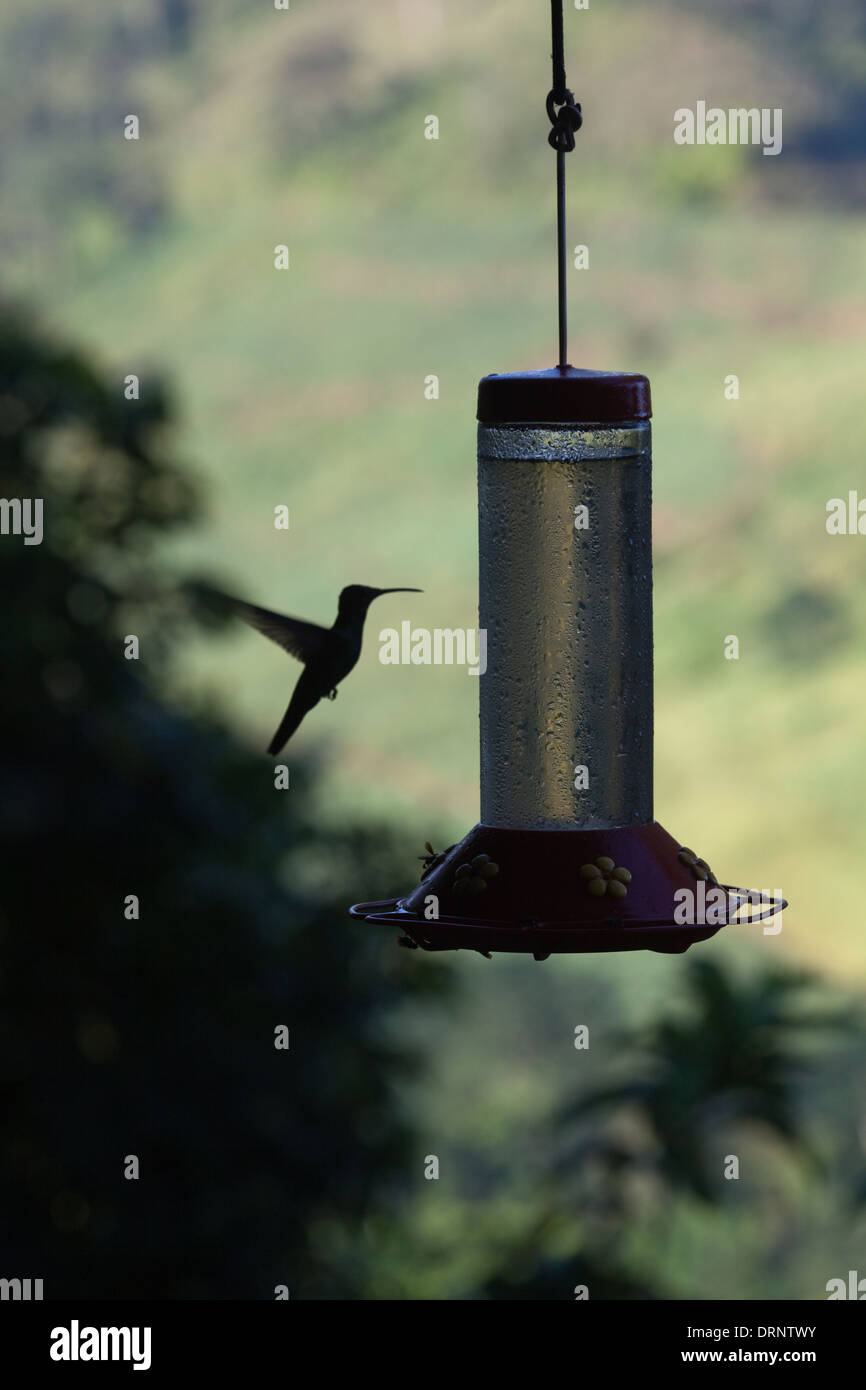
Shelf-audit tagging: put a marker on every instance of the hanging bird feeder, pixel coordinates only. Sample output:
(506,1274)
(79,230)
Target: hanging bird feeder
(567,856)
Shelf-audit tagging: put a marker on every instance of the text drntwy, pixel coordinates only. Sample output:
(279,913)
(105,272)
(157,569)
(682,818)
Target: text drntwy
(717,1333)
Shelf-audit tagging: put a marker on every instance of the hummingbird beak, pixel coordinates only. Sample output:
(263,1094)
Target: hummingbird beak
(379,592)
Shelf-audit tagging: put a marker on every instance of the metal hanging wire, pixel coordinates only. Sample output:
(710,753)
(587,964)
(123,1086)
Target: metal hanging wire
(566,119)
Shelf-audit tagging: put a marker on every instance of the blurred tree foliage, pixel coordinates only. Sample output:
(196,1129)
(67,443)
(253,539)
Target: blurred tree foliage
(729,1060)
(732,1059)
(155,1036)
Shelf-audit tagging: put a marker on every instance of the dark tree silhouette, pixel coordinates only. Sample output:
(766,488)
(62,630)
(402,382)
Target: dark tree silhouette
(154,1036)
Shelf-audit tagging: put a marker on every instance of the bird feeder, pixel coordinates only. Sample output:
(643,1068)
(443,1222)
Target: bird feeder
(567,855)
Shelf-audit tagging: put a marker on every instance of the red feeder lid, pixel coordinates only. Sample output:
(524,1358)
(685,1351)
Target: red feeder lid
(563,395)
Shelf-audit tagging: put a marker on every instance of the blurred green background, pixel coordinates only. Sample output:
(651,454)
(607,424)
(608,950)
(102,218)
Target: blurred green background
(306,388)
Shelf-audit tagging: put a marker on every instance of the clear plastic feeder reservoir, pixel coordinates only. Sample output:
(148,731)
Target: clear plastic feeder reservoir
(567,855)
(565,596)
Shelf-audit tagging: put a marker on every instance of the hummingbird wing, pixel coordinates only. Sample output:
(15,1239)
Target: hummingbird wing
(305,641)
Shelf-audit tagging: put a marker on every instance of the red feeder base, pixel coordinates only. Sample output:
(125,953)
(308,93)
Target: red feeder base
(548,891)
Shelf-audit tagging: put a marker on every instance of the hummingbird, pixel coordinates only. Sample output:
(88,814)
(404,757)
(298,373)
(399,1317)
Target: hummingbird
(328,653)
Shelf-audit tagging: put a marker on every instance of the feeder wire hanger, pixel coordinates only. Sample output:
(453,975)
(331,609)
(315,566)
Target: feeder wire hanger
(566,119)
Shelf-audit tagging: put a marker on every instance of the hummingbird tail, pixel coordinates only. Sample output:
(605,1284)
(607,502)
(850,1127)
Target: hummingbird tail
(298,707)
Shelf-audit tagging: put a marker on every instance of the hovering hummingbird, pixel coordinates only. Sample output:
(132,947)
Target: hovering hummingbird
(328,653)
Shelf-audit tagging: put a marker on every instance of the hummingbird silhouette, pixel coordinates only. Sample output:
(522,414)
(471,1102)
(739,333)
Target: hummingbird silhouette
(328,653)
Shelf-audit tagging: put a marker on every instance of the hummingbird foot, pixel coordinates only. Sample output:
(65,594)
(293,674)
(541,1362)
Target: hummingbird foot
(333,694)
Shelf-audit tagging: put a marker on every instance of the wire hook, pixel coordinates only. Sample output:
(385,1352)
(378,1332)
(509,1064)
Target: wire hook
(566,120)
